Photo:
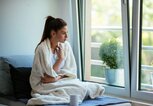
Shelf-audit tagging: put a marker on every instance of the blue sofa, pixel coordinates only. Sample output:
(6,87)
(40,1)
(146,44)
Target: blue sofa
(15,88)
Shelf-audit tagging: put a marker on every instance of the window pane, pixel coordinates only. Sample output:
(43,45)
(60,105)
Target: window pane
(106,13)
(97,33)
(146,72)
(97,71)
(107,60)
(95,53)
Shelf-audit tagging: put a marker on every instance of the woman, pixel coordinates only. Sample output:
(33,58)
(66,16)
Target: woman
(54,75)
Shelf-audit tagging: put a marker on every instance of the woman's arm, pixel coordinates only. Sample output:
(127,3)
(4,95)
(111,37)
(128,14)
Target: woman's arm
(57,64)
(60,55)
(69,68)
(49,79)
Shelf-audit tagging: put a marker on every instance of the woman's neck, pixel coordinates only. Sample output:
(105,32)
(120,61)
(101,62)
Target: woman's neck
(53,44)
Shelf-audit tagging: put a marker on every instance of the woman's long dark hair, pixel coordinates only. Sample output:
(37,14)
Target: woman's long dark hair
(51,24)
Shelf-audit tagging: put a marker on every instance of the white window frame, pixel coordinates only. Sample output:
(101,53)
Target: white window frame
(125,31)
(135,92)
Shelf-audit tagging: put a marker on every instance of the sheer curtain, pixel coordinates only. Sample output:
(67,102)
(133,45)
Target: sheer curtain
(78,34)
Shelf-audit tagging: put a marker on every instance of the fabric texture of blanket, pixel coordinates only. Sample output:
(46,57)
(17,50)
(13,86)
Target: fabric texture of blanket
(58,92)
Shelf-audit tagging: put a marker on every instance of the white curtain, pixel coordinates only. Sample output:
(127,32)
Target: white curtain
(77,19)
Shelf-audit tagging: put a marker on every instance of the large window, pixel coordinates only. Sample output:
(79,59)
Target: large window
(106,43)
(109,59)
(106,40)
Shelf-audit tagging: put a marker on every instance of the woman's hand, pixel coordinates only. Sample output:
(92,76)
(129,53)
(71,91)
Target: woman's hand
(60,55)
(59,51)
(63,75)
(49,79)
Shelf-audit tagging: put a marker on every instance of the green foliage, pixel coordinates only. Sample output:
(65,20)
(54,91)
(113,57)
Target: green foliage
(111,53)
(97,71)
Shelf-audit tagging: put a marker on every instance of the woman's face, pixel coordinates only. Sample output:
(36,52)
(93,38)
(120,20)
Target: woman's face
(61,35)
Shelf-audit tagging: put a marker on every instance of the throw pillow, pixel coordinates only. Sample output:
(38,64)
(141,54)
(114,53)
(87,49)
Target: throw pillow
(20,78)
(20,60)
(6,87)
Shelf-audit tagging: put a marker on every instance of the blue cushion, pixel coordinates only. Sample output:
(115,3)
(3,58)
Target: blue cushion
(100,101)
(20,60)
(103,101)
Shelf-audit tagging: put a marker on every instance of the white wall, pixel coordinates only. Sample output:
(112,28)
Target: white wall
(22,23)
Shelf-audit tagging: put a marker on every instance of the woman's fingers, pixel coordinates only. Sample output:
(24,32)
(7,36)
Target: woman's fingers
(58,48)
(63,75)
(59,51)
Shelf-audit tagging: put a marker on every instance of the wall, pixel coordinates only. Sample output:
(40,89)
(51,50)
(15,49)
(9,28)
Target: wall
(22,22)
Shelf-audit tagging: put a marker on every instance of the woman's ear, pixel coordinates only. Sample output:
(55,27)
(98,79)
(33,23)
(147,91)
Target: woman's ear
(53,33)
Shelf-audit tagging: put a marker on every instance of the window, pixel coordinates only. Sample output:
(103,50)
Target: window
(108,31)
(106,43)
(142,51)
(146,72)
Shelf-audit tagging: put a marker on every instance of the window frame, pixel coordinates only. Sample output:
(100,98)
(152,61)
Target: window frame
(136,55)
(120,91)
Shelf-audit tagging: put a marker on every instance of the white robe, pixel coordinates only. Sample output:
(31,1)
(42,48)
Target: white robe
(58,92)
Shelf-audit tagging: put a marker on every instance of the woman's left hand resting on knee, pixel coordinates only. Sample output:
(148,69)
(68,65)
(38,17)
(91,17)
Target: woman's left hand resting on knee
(49,79)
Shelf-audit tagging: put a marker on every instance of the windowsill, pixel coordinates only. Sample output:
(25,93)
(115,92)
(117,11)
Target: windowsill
(146,87)
(103,81)
(97,79)
(133,100)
